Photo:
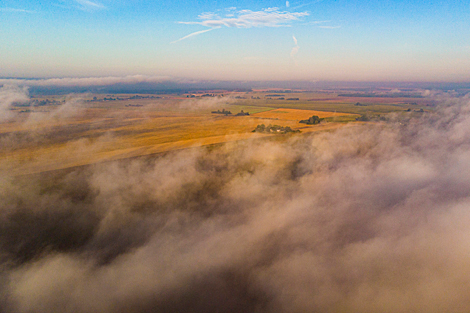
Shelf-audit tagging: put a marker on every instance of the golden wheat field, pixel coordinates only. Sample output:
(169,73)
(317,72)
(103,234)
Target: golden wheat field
(296,115)
(53,138)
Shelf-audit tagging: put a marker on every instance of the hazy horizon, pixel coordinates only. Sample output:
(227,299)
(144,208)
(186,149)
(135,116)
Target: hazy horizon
(265,40)
(162,84)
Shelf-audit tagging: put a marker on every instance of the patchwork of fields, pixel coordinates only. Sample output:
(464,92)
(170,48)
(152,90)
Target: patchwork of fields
(89,131)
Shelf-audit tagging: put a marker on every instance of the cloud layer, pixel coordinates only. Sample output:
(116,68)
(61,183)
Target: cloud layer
(15,10)
(89,5)
(10,94)
(295,49)
(86,81)
(270,17)
(365,219)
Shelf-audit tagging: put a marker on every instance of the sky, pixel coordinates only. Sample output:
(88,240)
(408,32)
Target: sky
(315,40)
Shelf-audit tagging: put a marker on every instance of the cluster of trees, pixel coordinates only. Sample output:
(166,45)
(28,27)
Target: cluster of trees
(281,91)
(242,113)
(274,129)
(45,102)
(140,97)
(228,112)
(312,120)
(204,95)
(221,112)
(36,103)
(136,97)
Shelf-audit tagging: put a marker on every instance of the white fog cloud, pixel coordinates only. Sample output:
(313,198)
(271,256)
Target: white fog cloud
(371,218)
(86,81)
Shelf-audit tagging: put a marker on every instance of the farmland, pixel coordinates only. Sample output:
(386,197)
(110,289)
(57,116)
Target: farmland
(97,128)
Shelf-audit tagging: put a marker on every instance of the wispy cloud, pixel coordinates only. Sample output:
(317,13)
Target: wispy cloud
(195,34)
(329,27)
(89,5)
(322,26)
(14,10)
(85,81)
(295,49)
(287,4)
(317,22)
(306,4)
(270,17)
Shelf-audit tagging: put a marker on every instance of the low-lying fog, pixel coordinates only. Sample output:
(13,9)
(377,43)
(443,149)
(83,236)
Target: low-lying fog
(373,218)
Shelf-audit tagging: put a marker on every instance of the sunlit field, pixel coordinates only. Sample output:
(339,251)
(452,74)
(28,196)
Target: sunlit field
(55,137)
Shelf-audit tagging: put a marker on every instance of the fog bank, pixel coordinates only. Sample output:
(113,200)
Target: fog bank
(364,219)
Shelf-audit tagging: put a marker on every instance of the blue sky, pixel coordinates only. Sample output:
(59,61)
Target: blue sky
(237,40)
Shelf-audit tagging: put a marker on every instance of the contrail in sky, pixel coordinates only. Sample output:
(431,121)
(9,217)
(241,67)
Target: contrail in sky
(194,34)
(305,4)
